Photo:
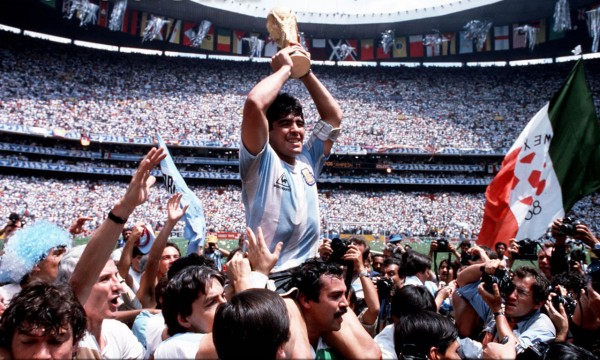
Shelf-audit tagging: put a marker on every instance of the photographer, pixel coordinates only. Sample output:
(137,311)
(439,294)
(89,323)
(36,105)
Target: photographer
(585,322)
(15,222)
(519,321)
(561,228)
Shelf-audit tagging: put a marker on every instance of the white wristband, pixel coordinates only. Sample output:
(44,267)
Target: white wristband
(324,131)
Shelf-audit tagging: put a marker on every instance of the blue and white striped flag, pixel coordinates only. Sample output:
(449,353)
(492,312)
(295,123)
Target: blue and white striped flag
(195,224)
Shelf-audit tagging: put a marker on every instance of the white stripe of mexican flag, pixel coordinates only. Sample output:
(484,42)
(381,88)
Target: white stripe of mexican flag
(552,164)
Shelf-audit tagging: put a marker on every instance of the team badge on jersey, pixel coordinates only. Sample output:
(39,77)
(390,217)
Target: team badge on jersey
(282,183)
(309,178)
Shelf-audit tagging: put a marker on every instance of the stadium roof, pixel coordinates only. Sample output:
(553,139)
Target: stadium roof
(358,18)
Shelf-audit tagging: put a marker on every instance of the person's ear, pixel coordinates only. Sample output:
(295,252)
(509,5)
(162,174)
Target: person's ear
(281,352)
(183,321)
(434,353)
(304,302)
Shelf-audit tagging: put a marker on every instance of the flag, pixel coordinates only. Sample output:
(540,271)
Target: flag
(540,35)
(487,45)
(400,47)
(449,47)
(189,30)
(209,40)
(143,23)
(552,164)
(381,53)
(103,14)
(175,36)
(134,23)
(84,140)
(501,38)
(270,47)
(553,35)
(433,49)
(195,224)
(319,49)
(238,35)
(416,45)
(519,38)
(224,40)
(466,45)
(366,49)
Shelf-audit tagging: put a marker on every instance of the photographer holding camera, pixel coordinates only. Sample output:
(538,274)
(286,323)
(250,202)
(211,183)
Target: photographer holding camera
(15,222)
(509,307)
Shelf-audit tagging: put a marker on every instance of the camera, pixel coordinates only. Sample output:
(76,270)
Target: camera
(567,301)
(339,247)
(569,226)
(527,250)
(384,288)
(442,245)
(500,277)
(465,258)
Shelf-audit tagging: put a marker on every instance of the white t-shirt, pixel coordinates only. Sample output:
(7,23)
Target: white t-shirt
(385,341)
(179,346)
(120,343)
(9,291)
(136,277)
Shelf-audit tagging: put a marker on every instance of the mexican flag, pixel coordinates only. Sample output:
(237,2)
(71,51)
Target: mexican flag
(554,162)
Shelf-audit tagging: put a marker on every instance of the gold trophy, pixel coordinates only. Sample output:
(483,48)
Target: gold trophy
(283,28)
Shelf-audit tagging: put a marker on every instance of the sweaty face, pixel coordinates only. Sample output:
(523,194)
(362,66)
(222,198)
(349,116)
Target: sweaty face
(41,344)
(169,255)
(204,308)
(103,301)
(287,136)
(332,304)
(520,302)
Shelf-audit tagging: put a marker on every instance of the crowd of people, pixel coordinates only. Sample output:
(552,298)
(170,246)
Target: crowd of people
(57,86)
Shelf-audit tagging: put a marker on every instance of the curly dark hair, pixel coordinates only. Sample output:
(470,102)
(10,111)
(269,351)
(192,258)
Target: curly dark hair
(307,277)
(41,305)
(283,105)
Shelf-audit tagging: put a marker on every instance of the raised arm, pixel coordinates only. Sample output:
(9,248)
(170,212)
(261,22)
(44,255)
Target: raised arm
(328,108)
(148,281)
(104,239)
(255,127)
(125,260)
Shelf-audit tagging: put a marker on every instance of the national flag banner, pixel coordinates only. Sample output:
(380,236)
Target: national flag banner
(125,23)
(103,14)
(342,50)
(400,47)
(466,45)
(449,46)
(540,35)
(189,30)
(134,23)
(380,53)
(195,223)
(238,46)
(487,45)
(270,47)
(501,38)
(432,49)
(552,164)
(247,46)
(519,37)
(319,49)
(175,36)
(307,44)
(366,50)
(554,35)
(209,40)
(224,40)
(416,45)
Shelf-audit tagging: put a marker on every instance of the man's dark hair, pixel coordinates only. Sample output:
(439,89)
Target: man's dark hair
(417,333)
(172,244)
(254,324)
(567,351)
(394,261)
(136,252)
(307,277)
(416,263)
(183,262)
(182,290)
(283,105)
(41,305)
(411,299)
(540,286)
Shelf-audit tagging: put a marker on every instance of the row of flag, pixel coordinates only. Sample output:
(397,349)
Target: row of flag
(229,41)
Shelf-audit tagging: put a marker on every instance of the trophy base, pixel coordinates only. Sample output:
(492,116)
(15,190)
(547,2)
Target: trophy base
(301,64)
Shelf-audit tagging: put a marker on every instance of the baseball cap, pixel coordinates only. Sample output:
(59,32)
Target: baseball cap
(395,238)
(147,239)
(212,239)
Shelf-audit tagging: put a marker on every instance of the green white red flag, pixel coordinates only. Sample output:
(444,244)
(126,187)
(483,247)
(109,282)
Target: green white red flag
(554,162)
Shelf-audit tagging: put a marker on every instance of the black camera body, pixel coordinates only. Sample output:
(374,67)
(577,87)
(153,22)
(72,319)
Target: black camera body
(502,278)
(384,288)
(569,226)
(466,258)
(339,247)
(527,250)
(568,302)
(442,245)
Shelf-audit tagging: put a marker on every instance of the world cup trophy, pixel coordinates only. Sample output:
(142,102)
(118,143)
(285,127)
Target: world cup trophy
(283,29)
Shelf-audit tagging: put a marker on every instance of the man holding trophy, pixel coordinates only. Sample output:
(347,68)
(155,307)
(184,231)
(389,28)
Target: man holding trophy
(279,172)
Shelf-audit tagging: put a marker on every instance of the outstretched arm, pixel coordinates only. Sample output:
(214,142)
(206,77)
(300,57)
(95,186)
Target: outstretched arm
(98,250)
(255,127)
(328,108)
(148,281)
